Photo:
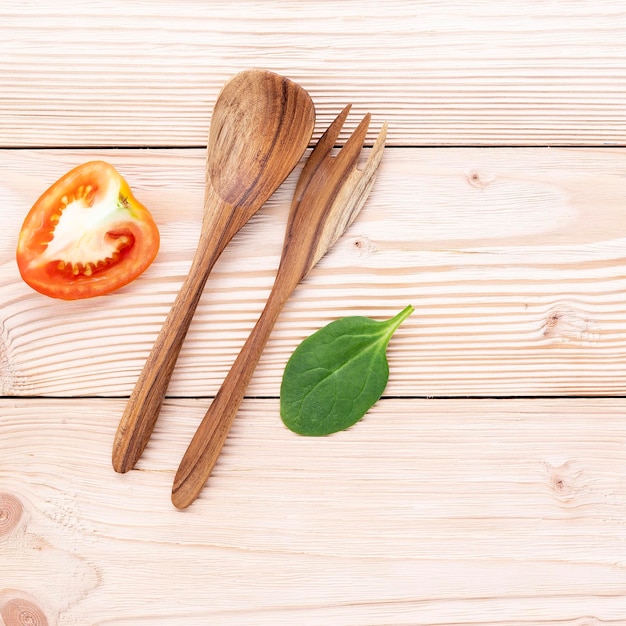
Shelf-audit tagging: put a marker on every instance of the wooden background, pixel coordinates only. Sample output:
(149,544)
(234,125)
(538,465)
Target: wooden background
(488,486)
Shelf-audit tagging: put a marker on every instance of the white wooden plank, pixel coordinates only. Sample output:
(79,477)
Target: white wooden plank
(426,512)
(480,73)
(514,260)
(432,512)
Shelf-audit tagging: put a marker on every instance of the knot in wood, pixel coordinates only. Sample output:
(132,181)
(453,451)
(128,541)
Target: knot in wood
(566,325)
(479,179)
(22,612)
(565,483)
(363,246)
(11,511)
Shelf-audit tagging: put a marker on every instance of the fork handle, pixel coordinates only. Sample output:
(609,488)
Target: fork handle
(208,440)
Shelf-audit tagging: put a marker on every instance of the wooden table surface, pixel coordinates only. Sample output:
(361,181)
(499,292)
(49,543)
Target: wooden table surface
(488,485)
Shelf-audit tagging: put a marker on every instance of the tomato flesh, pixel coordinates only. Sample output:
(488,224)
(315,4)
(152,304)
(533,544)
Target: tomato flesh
(86,236)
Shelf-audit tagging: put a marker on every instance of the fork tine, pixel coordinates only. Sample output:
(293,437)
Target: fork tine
(321,150)
(376,154)
(351,195)
(366,177)
(349,153)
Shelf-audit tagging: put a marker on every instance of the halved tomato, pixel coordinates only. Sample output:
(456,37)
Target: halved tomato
(86,236)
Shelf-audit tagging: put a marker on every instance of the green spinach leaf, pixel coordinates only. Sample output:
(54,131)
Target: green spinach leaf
(336,374)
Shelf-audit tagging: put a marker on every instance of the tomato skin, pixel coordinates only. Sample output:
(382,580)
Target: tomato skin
(86,236)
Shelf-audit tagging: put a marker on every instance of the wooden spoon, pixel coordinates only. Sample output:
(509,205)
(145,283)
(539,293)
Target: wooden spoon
(261,126)
(329,194)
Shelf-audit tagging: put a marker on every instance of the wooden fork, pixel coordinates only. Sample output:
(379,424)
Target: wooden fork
(329,194)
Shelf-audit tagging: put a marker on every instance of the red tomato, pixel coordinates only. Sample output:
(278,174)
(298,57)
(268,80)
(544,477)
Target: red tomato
(86,236)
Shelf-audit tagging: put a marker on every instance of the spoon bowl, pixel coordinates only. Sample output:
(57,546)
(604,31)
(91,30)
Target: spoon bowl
(262,123)
(260,128)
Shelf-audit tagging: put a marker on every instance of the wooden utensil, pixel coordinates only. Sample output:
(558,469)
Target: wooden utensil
(329,194)
(261,126)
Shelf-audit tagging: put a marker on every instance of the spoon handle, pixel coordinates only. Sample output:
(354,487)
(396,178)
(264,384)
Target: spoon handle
(208,440)
(144,404)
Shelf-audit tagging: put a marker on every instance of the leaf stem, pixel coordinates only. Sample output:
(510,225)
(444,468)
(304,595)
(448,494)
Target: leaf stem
(397,319)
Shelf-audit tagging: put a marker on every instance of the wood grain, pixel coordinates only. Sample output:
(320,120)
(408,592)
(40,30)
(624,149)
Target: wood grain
(455,511)
(467,512)
(513,258)
(442,73)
